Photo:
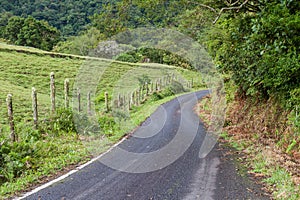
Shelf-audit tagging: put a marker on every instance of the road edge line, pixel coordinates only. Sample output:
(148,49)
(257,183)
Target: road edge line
(62,177)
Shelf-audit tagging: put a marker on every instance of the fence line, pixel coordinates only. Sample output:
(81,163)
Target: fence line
(125,102)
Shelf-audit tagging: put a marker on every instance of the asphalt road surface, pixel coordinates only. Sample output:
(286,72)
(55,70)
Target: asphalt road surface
(144,167)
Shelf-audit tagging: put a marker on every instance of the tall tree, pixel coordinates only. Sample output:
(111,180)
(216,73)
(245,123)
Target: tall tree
(31,32)
(260,49)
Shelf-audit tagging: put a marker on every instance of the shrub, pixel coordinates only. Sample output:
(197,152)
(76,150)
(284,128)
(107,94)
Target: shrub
(63,121)
(15,158)
(108,126)
(126,58)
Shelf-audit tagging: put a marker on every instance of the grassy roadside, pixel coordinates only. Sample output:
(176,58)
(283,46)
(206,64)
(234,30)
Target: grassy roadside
(62,153)
(260,159)
(77,152)
(41,155)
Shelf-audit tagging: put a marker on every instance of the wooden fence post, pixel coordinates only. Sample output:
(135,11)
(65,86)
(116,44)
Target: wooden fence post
(159,84)
(133,98)
(147,89)
(106,101)
(66,93)
(124,101)
(119,101)
(151,87)
(141,93)
(89,104)
(13,136)
(34,108)
(52,92)
(130,101)
(79,99)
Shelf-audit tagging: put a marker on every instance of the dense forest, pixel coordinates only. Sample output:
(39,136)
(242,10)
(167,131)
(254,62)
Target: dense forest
(68,16)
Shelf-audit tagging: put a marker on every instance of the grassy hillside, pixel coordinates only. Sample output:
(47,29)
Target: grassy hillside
(55,145)
(23,68)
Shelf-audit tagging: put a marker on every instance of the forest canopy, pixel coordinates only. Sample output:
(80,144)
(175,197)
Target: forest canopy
(30,32)
(68,16)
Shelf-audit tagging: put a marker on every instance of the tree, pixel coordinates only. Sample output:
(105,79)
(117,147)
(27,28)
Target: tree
(4,17)
(119,16)
(260,50)
(13,28)
(31,32)
(82,44)
(70,17)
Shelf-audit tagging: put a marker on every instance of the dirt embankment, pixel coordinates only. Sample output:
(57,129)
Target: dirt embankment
(263,125)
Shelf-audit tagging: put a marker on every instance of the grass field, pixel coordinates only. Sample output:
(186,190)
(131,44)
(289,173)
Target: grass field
(42,153)
(19,72)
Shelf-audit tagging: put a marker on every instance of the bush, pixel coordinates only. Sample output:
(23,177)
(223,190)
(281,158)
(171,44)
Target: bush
(174,88)
(15,158)
(84,124)
(261,52)
(124,57)
(108,126)
(63,121)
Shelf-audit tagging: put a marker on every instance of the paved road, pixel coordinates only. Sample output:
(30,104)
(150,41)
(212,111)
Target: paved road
(188,177)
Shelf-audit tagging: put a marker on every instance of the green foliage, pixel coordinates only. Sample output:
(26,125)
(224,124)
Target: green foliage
(261,52)
(177,88)
(193,22)
(31,32)
(70,17)
(85,125)
(63,121)
(15,158)
(282,179)
(125,57)
(154,56)
(144,79)
(173,89)
(156,96)
(108,125)
(80,45)
(4,17)
(53,143)
(122,15)
(294,118)
(23,163)
(112,20)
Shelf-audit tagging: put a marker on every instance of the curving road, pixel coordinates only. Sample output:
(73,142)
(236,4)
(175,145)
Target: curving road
(159,161)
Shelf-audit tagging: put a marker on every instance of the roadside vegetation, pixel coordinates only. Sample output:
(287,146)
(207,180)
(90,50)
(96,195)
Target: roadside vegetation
(257,52)
(274,164)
